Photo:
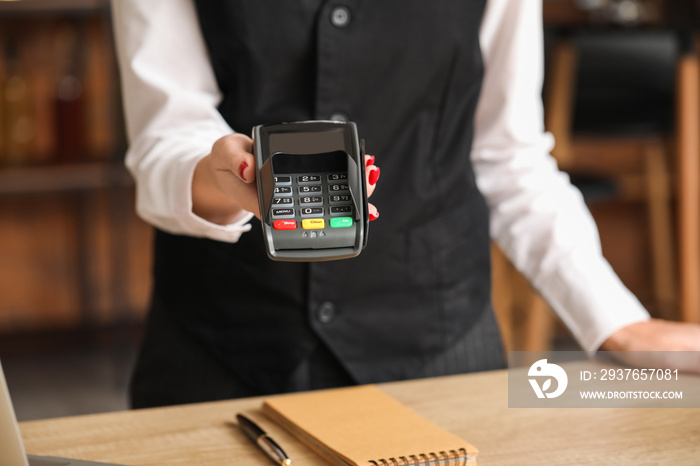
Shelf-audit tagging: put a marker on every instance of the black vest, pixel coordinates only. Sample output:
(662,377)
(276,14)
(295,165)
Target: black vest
(408,72)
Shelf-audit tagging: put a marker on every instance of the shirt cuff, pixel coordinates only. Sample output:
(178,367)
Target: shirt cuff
(591,299)
(172,211)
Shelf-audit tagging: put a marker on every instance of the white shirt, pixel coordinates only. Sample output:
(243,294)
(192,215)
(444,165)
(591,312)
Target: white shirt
(538,219)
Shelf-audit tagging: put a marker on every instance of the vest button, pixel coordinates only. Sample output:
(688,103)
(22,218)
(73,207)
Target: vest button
(326,312)
(340,17)
(338,116)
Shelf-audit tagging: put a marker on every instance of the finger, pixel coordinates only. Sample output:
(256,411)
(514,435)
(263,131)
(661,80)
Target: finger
(373,213)
(234,167)
(369,160)
(245,193)
(247,197)
(246,167)
(372,175)
(234,153)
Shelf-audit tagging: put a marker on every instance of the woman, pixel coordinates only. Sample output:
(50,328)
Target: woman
(447,95)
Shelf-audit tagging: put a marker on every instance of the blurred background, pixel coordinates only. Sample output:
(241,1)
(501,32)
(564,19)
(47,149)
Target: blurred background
(621,97)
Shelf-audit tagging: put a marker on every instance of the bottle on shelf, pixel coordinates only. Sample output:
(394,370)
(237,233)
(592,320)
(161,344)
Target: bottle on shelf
(18,124)
(69,101)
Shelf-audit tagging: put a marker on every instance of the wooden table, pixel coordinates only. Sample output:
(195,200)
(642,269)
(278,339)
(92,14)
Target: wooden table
(473,406)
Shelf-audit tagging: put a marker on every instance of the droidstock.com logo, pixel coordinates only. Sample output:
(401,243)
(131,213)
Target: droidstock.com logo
(546,372)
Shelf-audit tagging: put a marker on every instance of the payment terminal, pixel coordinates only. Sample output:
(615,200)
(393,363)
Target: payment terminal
(311,189)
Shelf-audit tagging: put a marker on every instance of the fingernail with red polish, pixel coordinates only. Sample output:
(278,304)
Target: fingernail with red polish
(373,216)
(370,161)
(241,169)
(373,176)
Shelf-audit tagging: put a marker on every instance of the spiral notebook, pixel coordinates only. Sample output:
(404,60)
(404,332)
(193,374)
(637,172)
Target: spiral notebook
(363,426)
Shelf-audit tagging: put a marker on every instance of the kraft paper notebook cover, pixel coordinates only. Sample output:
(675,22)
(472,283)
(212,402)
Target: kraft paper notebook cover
(363,426)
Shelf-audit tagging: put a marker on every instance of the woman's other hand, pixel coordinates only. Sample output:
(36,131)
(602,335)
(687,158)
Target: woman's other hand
(372,176)
(658,343)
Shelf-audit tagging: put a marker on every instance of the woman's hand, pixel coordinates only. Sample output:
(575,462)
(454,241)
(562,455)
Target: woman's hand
(658,343)
(371,175)
(223,183)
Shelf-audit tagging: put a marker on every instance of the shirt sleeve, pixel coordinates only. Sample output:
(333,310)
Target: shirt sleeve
(170,96)
(537,217)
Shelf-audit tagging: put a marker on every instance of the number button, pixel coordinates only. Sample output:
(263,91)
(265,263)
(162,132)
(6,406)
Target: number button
(283,201)
(311,200)
(337,187)
(311,211)
(337,176)
(309,179)
(283,180)
(283,190)
(339,198)
(309,189)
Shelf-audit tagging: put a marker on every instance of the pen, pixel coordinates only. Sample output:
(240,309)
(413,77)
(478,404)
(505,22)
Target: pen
(266,444)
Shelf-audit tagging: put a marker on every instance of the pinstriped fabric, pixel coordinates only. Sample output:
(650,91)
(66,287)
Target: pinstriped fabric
(174,367)
(480,349)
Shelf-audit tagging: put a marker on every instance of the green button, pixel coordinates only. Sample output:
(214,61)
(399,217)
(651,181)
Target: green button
(341,222)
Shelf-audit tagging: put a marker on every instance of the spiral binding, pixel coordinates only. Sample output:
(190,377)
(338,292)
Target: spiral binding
(443,458)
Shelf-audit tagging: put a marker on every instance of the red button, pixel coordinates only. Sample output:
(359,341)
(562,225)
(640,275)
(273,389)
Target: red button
(285,224)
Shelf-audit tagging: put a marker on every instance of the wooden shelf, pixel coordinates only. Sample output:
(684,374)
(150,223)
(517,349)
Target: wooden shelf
(52,6)
(74,255)
(63,178)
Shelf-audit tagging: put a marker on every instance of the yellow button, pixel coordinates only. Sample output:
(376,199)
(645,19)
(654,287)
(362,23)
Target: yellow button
(313,223)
